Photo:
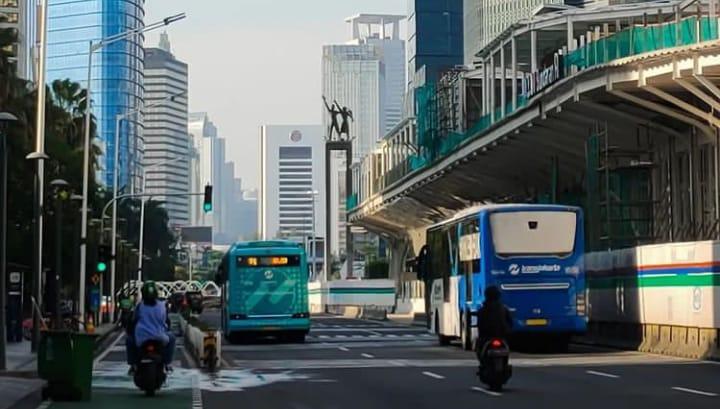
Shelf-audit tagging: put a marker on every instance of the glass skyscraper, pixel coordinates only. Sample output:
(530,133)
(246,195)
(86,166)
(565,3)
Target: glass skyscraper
(117,75)
(435,38)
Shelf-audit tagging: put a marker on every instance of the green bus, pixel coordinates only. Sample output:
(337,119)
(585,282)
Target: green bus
(265,291)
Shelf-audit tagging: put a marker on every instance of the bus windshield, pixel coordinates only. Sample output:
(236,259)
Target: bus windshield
(533,233)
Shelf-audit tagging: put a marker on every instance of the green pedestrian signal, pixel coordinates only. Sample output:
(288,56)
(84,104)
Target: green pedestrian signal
(101,266)
(207,203)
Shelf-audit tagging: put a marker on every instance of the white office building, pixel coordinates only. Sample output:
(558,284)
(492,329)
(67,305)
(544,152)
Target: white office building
(203,134)
(486,19)
(367,75)
(292,166)
(166,141)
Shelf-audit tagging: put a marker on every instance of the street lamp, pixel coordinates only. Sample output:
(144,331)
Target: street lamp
(93,47)
(5,119)
(113,245)
(59,187)
(313,194)
(143,200)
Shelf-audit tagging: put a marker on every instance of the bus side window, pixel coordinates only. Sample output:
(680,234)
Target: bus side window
(470,238)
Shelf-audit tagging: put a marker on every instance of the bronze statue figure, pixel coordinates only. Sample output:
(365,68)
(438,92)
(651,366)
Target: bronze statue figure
(345,113)
(334,111)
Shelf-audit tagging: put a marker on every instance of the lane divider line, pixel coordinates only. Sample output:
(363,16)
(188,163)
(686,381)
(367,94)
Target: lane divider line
(604,374)
(694,391)
(433,375)
(108,349)
(343,349)
(485,391)
(369,356)
(197,402)
(45,405)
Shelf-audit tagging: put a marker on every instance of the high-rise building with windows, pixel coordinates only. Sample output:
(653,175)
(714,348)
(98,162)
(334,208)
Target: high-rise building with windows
(204,137)
(367,75)
(20,15)
(167,144)
(435,42)
(486,19)
(117,74)
(291,168)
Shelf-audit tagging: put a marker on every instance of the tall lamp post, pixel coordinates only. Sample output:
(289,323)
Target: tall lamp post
(313,195)
(142,211)
(116,172)
(93,47)
(5,118)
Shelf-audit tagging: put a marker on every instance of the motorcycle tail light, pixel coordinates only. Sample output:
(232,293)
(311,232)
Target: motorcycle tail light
(150,348)
(495,343)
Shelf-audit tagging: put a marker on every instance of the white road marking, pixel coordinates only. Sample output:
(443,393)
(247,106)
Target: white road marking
(433,375)
(694,391)
(343,349)
(109,349)
(45,405)
(197,402)
(598,373)
(485,391)
(324,336)
(369,356)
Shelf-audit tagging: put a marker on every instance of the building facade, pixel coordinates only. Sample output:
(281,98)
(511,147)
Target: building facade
(117,74)
(20,15)
(167,144)
(486,19)
(203,134)
(292,167)
(435,38)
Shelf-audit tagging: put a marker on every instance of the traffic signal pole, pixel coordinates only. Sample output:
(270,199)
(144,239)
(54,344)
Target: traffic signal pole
(143,197)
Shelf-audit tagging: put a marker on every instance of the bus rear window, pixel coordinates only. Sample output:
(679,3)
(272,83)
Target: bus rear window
(268,261)
(535,233)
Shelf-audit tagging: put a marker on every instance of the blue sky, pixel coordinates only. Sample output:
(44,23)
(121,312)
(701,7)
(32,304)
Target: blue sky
(255,62)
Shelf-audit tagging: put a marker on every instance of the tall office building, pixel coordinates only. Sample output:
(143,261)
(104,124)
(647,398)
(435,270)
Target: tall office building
(435,42)
(367,74)
(291,167)
(20,15)
(203,135)
(167,144)
(117,75)
(486,19)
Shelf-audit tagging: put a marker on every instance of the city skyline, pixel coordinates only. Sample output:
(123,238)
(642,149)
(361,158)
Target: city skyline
(203,41)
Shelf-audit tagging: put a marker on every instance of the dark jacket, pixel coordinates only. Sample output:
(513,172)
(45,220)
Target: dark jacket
(494,320)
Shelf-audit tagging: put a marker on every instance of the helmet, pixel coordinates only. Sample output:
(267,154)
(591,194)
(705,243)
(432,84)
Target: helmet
(492,293)
(149,292)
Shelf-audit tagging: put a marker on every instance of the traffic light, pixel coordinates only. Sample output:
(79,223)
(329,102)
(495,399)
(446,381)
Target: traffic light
(207,203)
(103,258)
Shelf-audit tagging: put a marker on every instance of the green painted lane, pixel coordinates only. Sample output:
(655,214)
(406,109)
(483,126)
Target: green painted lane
(124,398)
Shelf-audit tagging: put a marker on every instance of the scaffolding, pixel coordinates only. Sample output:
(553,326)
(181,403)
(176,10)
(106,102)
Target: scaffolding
(620,200)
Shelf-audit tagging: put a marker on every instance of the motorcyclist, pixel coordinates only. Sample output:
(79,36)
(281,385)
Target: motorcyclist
(150,323)
(494,320)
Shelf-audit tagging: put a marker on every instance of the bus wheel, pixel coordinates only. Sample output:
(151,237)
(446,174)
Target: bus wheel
(298,337)
(466,337)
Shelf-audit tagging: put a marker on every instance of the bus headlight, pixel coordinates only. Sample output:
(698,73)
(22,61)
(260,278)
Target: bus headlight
(580,304)
(238,316)
(301,315)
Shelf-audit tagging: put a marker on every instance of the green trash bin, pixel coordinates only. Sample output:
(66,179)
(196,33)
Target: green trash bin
(65,361)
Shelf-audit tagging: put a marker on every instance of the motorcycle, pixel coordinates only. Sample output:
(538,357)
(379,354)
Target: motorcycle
(150,374)
(495,369)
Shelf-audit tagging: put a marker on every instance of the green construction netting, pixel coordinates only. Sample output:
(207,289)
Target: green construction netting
(628,42)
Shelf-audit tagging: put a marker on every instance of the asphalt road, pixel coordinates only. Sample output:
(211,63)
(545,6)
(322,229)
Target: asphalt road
(349,363)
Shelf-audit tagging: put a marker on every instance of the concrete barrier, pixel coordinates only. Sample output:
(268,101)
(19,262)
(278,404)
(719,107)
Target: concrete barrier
(204,344)
(669,292)
(368,299)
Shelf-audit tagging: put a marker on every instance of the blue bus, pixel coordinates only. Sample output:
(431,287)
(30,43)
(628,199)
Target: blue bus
(265,291)
(533,253)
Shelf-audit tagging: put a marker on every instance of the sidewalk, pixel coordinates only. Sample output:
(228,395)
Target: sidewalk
(20,387)
(412,319)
